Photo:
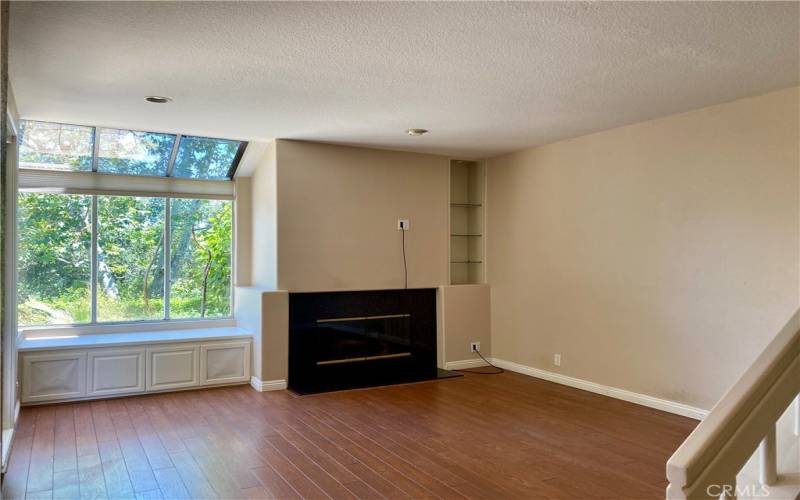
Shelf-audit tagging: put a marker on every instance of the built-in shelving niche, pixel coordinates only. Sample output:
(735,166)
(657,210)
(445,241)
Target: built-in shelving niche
(467,188)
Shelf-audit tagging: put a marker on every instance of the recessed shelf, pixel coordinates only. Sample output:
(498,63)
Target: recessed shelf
(467,191)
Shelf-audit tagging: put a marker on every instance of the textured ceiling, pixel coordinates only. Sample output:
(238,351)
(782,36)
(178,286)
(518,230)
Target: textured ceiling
(485,78)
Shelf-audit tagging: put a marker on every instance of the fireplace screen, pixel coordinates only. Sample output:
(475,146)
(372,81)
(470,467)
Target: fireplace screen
(344,340)
(363,338)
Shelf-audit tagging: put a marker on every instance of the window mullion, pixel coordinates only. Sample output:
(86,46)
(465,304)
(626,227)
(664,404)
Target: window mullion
(173,155)
(94,263)
(167,225)
(95,148)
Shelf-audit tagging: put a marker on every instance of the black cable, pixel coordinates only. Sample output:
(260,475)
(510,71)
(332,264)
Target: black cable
(405,265)
(498,372)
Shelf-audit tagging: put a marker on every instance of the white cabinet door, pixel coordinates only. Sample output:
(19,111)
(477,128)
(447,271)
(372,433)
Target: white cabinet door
(225,362)
(173,367)
(115,371)
(53,376)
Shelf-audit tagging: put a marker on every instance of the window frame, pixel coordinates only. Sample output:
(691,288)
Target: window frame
(141,325)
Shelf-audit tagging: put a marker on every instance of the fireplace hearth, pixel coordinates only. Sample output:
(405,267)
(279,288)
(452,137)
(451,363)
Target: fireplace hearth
(345,340)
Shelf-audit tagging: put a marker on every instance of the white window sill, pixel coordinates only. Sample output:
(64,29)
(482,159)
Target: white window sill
(52,331)
(130,338)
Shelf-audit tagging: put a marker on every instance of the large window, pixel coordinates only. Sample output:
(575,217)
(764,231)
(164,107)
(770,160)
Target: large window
(135,236)
(123,231)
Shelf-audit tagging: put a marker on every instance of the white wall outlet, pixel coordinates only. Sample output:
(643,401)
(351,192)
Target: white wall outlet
(402,224)
(557,359)
(474,346)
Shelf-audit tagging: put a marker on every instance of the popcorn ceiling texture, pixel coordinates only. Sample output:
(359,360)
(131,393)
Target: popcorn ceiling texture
(485,78)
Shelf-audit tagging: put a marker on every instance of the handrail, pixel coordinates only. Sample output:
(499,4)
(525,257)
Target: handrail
(706,463)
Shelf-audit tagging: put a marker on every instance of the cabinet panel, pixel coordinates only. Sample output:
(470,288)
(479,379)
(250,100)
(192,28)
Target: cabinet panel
(53,376)
(116,371)
(173,367)
(225,362)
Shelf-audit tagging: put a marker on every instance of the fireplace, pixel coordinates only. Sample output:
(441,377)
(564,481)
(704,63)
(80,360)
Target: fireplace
(345,340)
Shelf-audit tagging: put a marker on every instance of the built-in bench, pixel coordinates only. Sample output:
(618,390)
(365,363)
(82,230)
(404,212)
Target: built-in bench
(90,366)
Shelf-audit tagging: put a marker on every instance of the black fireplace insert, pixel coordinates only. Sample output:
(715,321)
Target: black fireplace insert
(345,340)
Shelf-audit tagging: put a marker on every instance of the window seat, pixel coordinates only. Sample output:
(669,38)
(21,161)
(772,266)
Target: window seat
(130,339)
(92,366)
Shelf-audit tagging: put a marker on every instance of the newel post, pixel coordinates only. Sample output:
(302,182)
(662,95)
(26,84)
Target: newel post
(797,416)
(768,455)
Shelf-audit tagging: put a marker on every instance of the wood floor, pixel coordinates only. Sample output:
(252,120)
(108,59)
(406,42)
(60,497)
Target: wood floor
(494,437)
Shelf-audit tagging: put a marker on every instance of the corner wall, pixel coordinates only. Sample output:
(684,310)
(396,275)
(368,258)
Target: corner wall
(264,221)
(660,257)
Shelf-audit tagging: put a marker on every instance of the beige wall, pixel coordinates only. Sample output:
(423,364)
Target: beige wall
(266,313)
(464,317)
(243,231)
(660,257)
(264,222)
(337,217)
(324,217)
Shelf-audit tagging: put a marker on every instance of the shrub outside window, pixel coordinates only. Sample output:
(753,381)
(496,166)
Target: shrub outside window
(135,236)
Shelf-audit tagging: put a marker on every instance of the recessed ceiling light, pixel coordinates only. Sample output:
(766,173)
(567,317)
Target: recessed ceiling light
(416,131)
(157,99)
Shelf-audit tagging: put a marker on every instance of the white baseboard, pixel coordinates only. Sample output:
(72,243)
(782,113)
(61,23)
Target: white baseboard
(267,385)
(464,363)
(614,392)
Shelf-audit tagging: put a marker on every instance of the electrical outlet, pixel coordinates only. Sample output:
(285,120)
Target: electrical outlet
(557,359)
(402,224)
(474,346)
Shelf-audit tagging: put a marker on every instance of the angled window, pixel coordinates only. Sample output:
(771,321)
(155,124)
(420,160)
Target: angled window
(58,146)
(55,146)
(133,153)
(204,158)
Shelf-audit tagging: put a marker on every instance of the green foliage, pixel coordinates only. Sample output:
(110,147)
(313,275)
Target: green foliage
(204,158)
(211,221)
(54,258)
(134,153)
(129,249)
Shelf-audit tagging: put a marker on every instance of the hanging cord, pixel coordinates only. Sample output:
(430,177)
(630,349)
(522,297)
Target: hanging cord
(498,372)
(405,265)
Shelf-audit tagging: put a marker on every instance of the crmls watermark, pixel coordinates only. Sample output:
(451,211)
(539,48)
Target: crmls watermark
(730,491)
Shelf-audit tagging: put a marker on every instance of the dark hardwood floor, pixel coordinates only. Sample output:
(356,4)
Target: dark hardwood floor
(495,437)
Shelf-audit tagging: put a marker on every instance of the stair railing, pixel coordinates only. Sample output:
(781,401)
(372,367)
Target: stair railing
(706,464)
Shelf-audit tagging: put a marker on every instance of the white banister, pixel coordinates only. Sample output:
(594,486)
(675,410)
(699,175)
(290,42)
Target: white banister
(797,416)
(768,457)
(743,420)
